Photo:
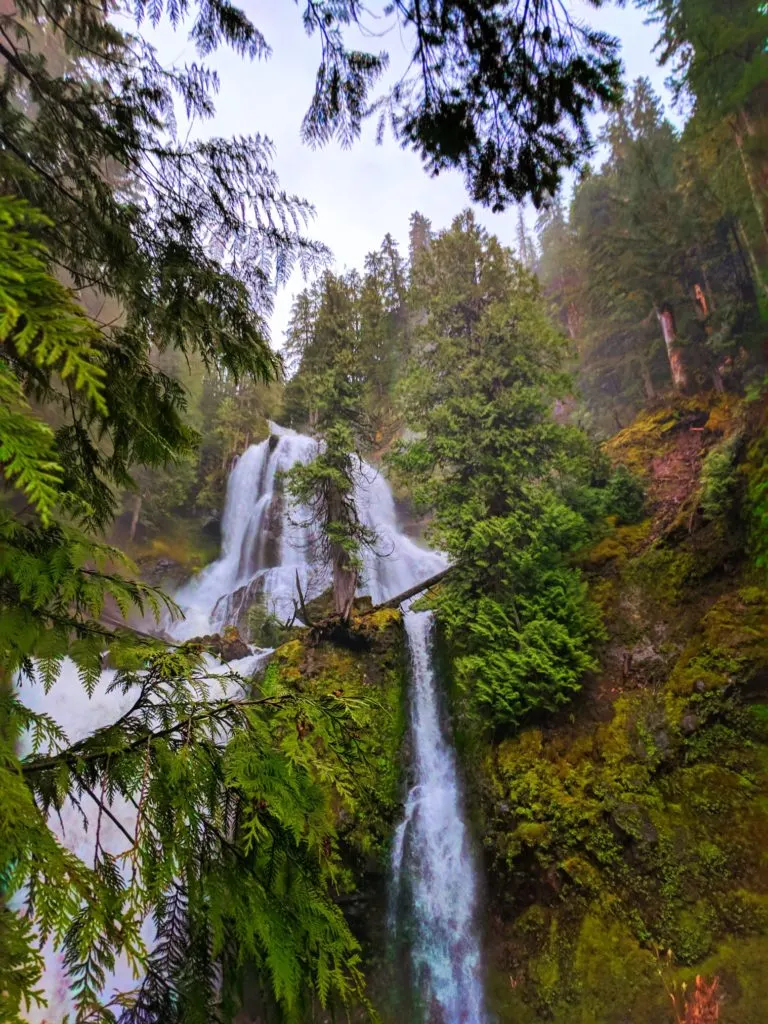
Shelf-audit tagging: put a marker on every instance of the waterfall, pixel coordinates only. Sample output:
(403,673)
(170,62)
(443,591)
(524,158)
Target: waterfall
(265,543)
(432,858)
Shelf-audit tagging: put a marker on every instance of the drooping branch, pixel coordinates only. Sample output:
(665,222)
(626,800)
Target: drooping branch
(79,752)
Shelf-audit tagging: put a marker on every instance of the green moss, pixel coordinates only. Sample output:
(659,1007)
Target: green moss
(663,572)
(377,676)
(731,645)
(651,434)
(617,546)
(660,815)
(639,821)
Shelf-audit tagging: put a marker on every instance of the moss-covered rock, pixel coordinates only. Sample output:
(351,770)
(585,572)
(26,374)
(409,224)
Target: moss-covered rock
(636,822)
(374,673)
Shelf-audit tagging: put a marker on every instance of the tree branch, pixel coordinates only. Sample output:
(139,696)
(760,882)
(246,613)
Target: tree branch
(76,753)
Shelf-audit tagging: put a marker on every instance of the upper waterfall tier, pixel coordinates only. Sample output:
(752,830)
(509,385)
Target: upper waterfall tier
(266,541)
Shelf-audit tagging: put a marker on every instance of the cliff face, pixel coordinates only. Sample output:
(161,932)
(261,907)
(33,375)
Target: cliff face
(367,814)
(625,841)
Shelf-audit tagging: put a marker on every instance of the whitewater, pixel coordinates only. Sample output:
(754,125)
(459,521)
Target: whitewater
(266,545)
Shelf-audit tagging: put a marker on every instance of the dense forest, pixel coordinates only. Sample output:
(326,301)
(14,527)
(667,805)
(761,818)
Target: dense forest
(572,436)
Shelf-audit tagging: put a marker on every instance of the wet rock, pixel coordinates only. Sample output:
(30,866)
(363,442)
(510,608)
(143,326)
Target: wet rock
(212,528)
(228,647)
(633,822)
(162,571)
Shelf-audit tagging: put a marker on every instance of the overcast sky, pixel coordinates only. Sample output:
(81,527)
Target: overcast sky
(363,192)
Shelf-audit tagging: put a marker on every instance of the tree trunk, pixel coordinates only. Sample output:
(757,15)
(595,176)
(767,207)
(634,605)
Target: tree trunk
(343,566)
(344,584)
(752,266)
(648,388)
(573,318)
(137,503)
(717,380)
(700,301)
(674,350)
(758,200)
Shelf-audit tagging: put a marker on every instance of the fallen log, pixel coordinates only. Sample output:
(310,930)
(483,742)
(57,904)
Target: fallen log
(418,588)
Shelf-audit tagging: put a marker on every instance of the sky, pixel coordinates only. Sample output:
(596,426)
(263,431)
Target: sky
(360,193)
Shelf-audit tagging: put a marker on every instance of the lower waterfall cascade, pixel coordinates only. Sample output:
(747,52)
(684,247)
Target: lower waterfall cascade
(265,546)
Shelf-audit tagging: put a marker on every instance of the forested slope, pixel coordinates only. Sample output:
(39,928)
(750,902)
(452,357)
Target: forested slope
(578,424)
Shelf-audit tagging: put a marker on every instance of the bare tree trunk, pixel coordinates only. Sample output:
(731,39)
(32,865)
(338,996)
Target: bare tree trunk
(343,568)
(744,246)
(137,503)
(574,321)
(757,198)
(674,350)
(648,388)
(344,584)
(701,302)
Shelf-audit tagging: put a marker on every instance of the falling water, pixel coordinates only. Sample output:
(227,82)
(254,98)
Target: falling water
(432,857)
(265,544)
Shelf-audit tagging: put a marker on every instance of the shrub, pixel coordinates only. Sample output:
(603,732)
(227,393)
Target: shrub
(720,478)
(624,496)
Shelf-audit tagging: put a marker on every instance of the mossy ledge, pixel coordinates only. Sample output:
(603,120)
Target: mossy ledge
(375,671)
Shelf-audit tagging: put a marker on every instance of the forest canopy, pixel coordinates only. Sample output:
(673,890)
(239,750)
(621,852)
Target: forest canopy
(138,266)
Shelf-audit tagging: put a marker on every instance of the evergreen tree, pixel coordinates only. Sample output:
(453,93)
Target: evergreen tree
(719,61)
(647,272)
(526,247)
(490,463)
(225,797)
(419,236)
(325,486)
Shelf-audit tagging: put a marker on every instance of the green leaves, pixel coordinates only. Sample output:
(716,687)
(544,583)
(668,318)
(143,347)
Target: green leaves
(39,322)
(38,316)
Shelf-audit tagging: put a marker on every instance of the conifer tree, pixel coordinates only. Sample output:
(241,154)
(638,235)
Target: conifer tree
(718,59)
(647,271)
(207,791)
(332,369)
(490,462)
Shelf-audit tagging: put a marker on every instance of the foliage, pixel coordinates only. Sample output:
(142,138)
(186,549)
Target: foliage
(225,798)
(720,481)
(757,498)
(46,327)
(624,496)
(637,821)
(183,240)
(376,324)
(322,490)
(265,629)
(646,235)
(375,674)
(493,466)
(509,124)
